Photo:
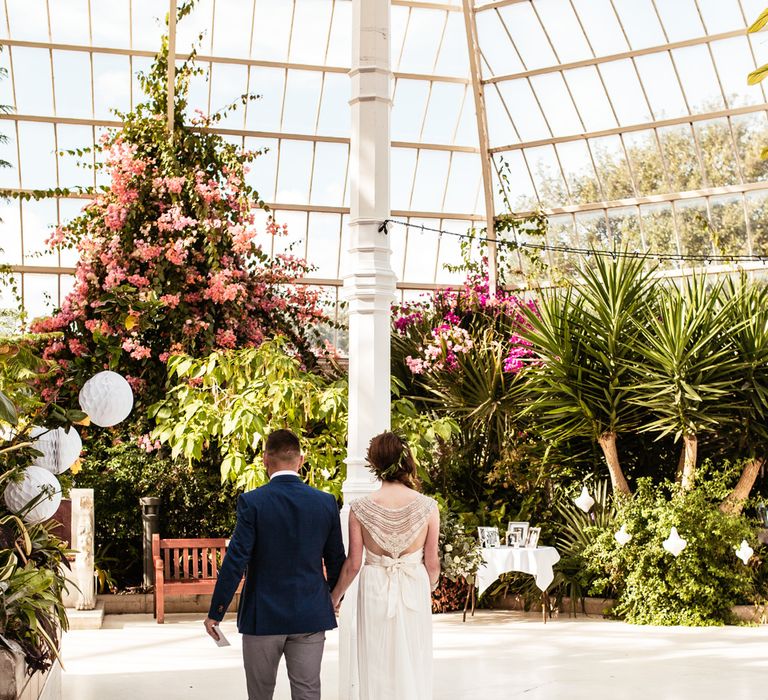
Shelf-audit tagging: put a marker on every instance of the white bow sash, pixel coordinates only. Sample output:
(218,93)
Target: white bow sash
(403,578)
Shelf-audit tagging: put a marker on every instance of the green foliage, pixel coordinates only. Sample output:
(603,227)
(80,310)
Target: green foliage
(700,586)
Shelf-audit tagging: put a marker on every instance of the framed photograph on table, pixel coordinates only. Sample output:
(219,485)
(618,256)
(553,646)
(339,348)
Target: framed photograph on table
(517,534)
(532,540)
(488,536)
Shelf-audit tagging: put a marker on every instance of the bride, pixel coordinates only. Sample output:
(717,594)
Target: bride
(399,529)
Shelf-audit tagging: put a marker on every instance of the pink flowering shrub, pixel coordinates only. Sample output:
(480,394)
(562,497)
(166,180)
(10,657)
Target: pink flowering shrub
(168,259)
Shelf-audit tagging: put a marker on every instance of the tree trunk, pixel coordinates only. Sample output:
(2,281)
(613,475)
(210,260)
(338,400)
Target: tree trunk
(618,480)
(680,465)
(690,445)
(735,501)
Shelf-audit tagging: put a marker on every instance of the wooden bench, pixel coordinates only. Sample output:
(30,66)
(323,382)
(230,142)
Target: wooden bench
(185,566)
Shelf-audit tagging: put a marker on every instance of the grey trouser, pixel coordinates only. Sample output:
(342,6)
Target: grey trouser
(303,655)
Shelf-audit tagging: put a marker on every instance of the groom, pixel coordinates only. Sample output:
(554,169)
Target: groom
(285,532)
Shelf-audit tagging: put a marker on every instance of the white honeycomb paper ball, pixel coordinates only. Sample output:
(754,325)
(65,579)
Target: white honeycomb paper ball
(60,448)
(36,481)
(107,398)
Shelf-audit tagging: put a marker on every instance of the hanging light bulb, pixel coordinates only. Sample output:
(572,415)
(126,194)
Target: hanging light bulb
(674,544)
(584,501)
(622,536)
(744,552)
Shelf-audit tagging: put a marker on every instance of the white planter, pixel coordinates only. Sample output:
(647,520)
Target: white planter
(15,684)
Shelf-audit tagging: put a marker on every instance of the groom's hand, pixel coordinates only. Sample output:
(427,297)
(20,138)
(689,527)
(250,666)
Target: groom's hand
(210,628)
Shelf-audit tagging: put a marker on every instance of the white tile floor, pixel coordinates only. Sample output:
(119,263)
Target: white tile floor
(497,655)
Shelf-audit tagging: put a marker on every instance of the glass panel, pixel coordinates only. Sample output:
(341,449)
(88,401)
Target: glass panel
(69,22)
(421,256)
(529,37)
(264,114)
(231,35)
(647,163)
(32,81)
(466,132)
(602,27)
(41,294)
(661,85)
(521,103)
(625,229)
(272,30)
(751,133)
(625,91)
(640,23)
(340,42)
(10,233)
(699,79)
(501,131)
(68,210)
(330,174)
(146,16)
(723,15)
(408,107)
(71,172)
(109,20)
(612,167)
(38,162)
(561,232)
(429,185)
(734,61)
(693,222)
(9,175)
(294,172)
(397,236)
(73,96)
(453,59)
(464,182)
(557,104)
(564,30)
(228,82)
(728,228)
(323,245)
(521,191)
(659,231)
(334,106)
(6,84)
(680,153)
(445,101)
(547,176)
(680,18)
(295,242)
(717,151)
(403,165)
(197,22)
(38,221)
(138,64)
(302,97)
(199,91)
(398,21)
(497,50)
(590,98)
(421,41)
(450,252)
(28,20)
(592,228)
(112,85)
(311,24)
(579,172)
(757,207)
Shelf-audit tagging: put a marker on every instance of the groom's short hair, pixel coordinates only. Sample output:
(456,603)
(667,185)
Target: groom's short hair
(282,446)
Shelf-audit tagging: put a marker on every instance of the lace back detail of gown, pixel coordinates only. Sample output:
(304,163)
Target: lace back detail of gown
(394,529)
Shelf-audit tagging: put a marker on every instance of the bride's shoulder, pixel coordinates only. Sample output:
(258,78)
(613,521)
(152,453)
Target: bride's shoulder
(428,502)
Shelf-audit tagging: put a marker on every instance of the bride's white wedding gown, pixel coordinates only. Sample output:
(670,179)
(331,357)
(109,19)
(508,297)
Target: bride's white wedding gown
(394,604)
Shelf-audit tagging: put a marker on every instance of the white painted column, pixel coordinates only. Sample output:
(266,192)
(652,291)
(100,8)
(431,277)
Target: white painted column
(370,284)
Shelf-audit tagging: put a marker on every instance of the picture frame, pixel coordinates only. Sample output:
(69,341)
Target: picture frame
(488,537)
(532,541)
(517,534)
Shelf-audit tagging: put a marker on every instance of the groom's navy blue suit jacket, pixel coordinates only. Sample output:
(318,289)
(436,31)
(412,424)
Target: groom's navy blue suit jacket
(285,531)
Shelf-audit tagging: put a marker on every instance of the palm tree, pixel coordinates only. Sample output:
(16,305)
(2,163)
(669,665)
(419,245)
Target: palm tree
(585,337)
(688,366)
(749,334)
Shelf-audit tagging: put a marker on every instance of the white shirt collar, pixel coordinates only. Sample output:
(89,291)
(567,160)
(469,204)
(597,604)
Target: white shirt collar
(284,472)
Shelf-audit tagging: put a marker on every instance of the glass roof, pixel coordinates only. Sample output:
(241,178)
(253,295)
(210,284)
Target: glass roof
(628,121)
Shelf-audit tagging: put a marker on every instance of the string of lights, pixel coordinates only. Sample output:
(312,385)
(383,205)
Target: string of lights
(706,258)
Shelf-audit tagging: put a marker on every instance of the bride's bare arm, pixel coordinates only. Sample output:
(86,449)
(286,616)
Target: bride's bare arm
(431,555)
(353,562)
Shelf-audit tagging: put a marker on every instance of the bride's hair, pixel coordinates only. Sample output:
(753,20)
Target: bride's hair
(390,459)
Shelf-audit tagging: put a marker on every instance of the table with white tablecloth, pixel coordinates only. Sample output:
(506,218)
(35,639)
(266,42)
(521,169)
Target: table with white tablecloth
(537,561)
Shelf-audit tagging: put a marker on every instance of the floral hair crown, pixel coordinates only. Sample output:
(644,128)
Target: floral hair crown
(396,466)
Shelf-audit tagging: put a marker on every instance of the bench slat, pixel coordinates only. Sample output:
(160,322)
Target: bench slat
(201,542)
(195,561)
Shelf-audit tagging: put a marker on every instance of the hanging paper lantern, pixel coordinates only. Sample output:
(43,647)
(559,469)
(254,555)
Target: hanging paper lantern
(584,501)
(60,448)
(36,481)
(107,398)
(674,544)
(744,552)
(622,536)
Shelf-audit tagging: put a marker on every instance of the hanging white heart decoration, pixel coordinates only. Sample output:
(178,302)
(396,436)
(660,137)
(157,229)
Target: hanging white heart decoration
(674,544)
(584,501)
(107,398)
(744,552)
(622,536)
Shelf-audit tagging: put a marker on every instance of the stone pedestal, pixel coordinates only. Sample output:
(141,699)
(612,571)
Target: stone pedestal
(83,543)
